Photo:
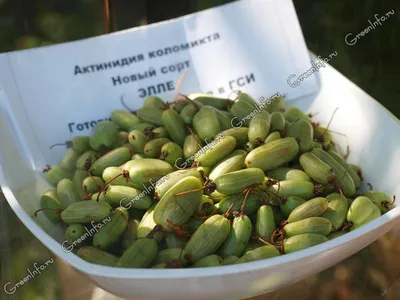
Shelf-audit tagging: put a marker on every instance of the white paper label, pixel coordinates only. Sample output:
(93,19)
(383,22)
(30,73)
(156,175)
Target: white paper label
(249,45)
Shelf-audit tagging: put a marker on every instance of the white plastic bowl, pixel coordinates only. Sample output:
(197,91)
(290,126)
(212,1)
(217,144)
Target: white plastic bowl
(374,136)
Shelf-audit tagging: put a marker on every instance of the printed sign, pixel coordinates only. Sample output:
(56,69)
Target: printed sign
(64,90)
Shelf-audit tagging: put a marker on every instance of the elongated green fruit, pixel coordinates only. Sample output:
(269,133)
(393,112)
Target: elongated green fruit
(362,211)
(172,255)
(273,136)
(380,199)
(86,212)
(237,181)
(147,224)
(342,178)
(240,134)
(85,161)
(68,162)
(221,147)
(96,256)
(246,98)
(137,139)
(145,172)
(317,145)
(224,119)
(253,202)
(143,127)
(229,260)
(290,204)
(115,157)
(303,241)
(104,135)
(284,173)
(171,152)
(75,235)
(259,127)
(174,125)
(130,234)
(92,184)
(208,261)
(277,122)
(67,193)
(137,156)
(139,255)
(293,113)
(79,144)
(152,148)
(127,197)
(180,105)
(206,206)
(251,246)
(110,175)
(310,225)
(78,178)
(249,147)
(231,163)
(154,102)
(259,253)
(172,241)
(124,119)
(272,155)
(265,223)
(56,173)
(176,209)
(112,230)
(302,130)
(207,99)
(208,237)
(238,237)
(151,115)
(191,146)
(318,170)
(336,211)
(121,141)
(312,208)
(159,132)
(187,113)
(242,112)
(287,188)
(322,135)
(168,181)
(50,199)
(344,164)
(277,103)
(206,123)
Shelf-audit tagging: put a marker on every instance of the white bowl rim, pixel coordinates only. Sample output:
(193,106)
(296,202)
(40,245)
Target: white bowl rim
(113,272)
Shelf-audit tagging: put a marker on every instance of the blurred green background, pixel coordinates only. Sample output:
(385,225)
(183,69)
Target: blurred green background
(372,63)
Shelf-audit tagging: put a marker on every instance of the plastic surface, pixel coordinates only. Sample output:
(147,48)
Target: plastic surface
(374,136)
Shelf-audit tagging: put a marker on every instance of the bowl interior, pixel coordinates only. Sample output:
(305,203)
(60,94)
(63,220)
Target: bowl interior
(371,132)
